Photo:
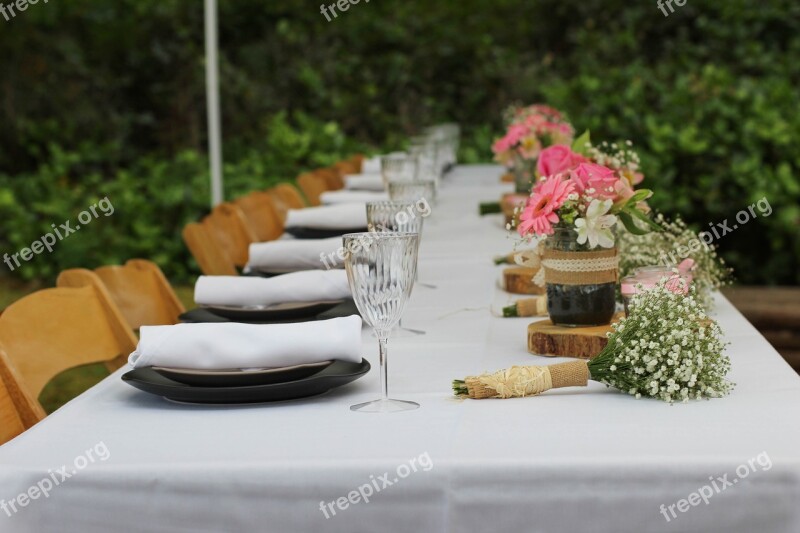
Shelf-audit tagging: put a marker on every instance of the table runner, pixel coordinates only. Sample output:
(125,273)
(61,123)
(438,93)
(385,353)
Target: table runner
(570,460)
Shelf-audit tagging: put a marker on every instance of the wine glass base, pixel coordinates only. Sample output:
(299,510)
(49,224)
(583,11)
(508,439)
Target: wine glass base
(384,406)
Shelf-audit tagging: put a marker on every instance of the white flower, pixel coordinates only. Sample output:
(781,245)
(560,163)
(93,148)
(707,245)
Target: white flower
(596,225)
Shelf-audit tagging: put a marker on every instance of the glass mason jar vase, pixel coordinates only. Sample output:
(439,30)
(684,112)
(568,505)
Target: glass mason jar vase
(523,171)
(581,283)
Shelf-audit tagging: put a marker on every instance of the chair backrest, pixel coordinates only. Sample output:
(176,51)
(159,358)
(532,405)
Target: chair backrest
(312,186)
(261,216)
(349,166)
(209,254)
(53,330)
(284,197)
(139,289)
(230,230)
(358,162)
(18,409)
(333,177)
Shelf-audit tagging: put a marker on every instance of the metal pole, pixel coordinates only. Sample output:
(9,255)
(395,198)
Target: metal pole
(212,101)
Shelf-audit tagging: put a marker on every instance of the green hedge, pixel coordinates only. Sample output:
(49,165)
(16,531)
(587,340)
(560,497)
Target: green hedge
(152,199)
(103,99)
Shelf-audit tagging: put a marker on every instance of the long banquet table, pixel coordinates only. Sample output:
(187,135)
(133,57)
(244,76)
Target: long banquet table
(570,460)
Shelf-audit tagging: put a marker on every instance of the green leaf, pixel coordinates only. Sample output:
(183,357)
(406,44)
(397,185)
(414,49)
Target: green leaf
(638,196)
(579,144)
(644,218)
(630,225)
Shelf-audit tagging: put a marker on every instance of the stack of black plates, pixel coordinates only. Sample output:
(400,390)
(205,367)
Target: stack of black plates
(245,386)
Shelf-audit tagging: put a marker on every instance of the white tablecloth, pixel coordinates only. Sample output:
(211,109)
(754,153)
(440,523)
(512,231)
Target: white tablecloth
(570,460)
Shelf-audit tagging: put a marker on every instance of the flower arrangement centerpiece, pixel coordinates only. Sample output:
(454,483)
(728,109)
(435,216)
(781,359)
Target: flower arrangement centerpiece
(709,271)
(582,194)
(666,349)
(528,131)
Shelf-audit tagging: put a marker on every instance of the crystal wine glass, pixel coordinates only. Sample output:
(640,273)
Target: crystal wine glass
(403,217)
(413,191)
(380,269)
(398,166)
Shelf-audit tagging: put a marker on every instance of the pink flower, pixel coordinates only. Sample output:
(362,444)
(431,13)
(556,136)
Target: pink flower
(557,159)
(623,190)
(590,176)
(539,214)
(514,135)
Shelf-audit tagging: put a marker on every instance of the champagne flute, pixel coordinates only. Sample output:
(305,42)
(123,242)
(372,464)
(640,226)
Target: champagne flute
(403,217)
(380,269)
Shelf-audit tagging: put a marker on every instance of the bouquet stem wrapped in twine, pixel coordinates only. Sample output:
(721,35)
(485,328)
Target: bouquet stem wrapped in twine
(520,381)
(527,307)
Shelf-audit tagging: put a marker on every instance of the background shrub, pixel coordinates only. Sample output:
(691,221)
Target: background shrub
(107,99)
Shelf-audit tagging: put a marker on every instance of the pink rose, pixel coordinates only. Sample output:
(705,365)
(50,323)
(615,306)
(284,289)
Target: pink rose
(556,159)
(592,176)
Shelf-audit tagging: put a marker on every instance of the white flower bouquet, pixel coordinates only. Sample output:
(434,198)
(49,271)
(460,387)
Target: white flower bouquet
(666,348)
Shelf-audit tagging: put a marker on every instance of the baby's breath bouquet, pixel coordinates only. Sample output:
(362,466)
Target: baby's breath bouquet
(710,272)
(666,348)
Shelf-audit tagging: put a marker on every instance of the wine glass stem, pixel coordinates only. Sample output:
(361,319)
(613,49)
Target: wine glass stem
(384,351)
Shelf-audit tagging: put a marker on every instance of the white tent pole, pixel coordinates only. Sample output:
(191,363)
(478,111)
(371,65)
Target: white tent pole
(212,101)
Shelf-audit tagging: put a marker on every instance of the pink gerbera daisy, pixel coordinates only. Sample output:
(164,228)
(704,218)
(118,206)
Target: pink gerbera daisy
(539,214)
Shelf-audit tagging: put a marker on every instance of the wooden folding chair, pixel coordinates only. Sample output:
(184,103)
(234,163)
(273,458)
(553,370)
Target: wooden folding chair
(18,409)
(53,330)
(230,231)
(284,197)
(358,163)
(312,186)
(261,216)
(349,166)
(332,176)
(209,254)
(289,194)
(139,289)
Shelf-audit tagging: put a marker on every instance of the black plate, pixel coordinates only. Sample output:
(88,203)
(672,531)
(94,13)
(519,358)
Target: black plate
(239,378)
(199,315)
(338,374)
(276,312)
(318,233)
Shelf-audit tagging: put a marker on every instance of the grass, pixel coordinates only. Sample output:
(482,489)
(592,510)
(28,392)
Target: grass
(70,383)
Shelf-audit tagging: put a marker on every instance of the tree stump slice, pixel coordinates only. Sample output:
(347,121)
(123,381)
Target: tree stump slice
(545,338)
(519,280)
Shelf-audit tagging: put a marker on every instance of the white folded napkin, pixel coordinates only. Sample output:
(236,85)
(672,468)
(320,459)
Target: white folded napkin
(347,197)
(222,346)
(342,216)
(296,287)
(371,165)
(292,255)
(364,182)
